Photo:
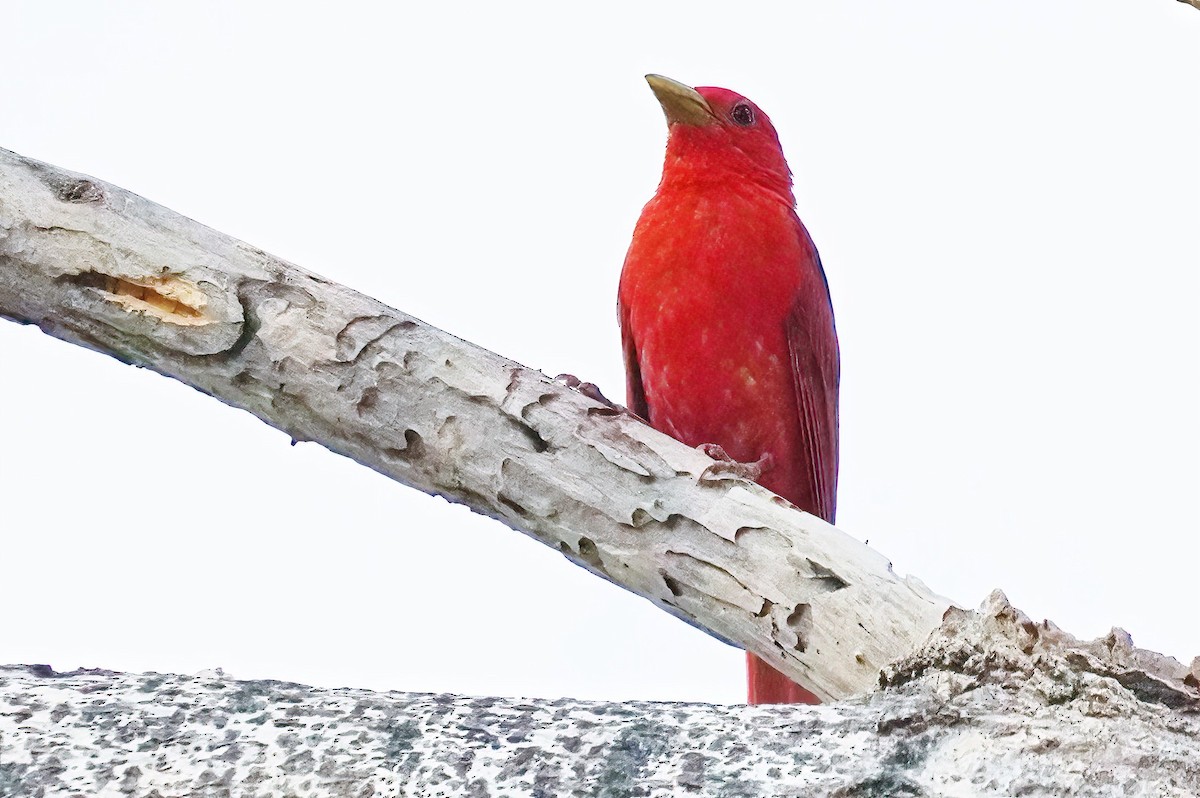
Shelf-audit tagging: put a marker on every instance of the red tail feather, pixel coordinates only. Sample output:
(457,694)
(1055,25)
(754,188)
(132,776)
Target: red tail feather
(769,686)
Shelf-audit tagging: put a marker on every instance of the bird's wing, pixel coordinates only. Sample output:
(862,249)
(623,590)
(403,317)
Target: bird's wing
(635,394)
(816,366)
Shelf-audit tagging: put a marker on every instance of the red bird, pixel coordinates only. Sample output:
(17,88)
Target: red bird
(725,315)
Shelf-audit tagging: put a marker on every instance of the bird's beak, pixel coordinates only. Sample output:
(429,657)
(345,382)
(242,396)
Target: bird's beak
(681,103)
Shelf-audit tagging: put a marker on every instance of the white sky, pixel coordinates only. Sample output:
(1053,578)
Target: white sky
(1006,197)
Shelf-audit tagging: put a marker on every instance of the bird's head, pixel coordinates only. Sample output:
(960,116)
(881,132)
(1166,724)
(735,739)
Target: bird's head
(717,134)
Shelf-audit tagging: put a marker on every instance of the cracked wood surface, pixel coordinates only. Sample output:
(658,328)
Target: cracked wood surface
(96,265)
(993,705)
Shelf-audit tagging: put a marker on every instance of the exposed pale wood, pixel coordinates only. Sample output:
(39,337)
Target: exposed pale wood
(98,266)
(994,705)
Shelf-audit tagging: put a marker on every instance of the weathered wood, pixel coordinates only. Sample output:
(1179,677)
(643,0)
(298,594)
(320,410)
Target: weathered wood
(98,266)
(994,705)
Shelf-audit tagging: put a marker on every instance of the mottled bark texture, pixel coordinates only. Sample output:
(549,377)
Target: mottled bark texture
(992,705)
(98,266)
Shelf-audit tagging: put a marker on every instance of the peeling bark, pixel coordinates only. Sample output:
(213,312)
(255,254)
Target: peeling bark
(98,266)
(992,705)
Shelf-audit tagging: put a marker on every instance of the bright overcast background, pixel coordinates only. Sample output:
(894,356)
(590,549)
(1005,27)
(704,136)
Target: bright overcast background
(1006,197)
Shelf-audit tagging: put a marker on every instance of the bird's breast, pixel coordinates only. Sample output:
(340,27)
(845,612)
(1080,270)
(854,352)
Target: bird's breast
(707,287)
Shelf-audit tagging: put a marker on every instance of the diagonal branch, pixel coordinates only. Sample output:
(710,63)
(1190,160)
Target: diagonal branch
(98,266)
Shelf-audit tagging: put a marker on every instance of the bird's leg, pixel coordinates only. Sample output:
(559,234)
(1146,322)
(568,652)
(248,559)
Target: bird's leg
(590,390)
(726,467)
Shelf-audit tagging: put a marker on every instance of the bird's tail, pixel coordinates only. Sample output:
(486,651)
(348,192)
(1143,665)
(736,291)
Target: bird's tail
(769,686)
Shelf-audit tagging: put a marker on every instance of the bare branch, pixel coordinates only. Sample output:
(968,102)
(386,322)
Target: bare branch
(98,266)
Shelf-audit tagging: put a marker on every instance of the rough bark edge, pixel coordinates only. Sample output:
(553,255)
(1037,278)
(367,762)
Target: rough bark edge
(993,705)
(98,266)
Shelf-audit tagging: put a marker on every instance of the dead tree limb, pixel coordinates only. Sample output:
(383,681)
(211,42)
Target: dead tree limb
(96,265)
(991,704)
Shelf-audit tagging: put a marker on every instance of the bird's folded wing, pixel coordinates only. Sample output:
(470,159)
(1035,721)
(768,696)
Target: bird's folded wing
(635,394)
(812,344)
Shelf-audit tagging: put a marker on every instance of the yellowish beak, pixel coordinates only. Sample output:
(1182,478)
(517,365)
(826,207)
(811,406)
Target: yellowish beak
(680,103)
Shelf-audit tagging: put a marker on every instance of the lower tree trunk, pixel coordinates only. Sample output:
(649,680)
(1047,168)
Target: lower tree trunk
(993,705)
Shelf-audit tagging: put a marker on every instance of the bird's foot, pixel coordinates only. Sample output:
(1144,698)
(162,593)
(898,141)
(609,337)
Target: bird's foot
(590,390)
(728,468)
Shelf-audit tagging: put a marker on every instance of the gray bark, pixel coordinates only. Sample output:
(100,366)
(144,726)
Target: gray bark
(993,705)
(96,265)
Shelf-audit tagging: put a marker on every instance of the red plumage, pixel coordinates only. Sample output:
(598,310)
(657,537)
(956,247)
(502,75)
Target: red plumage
(726,321)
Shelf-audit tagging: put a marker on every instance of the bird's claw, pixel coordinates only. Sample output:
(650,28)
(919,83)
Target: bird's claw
(588,389)
(591,391)
(728,468)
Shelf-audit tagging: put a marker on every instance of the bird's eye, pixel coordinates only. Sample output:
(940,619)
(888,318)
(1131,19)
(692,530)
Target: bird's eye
(742,114)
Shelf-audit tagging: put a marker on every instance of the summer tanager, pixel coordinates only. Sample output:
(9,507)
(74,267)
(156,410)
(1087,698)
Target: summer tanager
(725,315)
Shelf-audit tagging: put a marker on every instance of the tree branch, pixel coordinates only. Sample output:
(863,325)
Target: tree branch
(993,705)
(98,266)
